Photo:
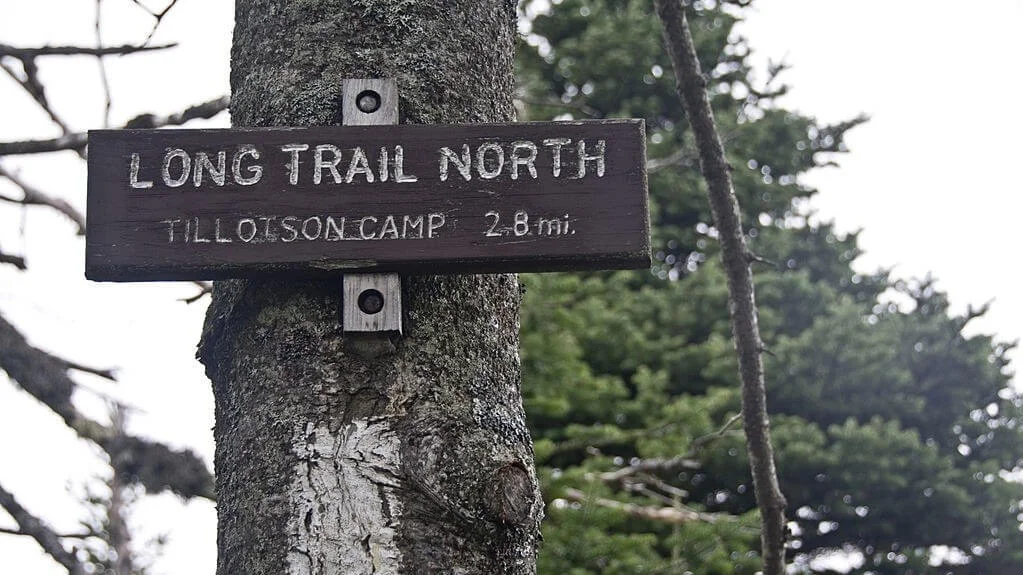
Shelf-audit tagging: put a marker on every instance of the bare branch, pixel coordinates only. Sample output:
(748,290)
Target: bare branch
(34,87)
(683,157)
(35,197)
(150,464)
(692,91)
(108,373)
(16,261)
(754,258)
(30,53)
(75,141)
(671,515)
(158,16)
(703,440)
(81,535)
(205,289)
(78,140)
(102,66)
(652,465)
(34,527)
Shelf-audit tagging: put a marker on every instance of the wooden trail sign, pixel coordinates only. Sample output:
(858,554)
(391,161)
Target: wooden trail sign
(212,204)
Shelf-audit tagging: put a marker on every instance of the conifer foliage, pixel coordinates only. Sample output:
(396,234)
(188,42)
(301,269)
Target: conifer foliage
(896,434)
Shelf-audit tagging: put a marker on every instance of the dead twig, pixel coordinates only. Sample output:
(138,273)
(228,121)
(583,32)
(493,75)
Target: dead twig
(32,196)
(13,260)
(78,140)
(672,515)
(205,289)
(95,51)
(44,535)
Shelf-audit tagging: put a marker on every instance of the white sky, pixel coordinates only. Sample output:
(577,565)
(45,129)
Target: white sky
(930,180)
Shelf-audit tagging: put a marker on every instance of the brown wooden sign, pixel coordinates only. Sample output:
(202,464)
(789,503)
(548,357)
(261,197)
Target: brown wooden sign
(210,204)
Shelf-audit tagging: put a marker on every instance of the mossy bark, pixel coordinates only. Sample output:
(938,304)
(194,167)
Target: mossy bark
(331,459)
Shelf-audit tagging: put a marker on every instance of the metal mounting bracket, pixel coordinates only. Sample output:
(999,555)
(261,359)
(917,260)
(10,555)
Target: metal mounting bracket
(370,302)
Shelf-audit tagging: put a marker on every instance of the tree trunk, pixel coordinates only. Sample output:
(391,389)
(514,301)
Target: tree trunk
(333,458)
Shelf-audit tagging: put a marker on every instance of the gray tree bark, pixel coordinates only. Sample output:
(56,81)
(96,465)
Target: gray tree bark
(329,460)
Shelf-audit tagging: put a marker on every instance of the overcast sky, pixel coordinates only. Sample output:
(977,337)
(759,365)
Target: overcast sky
(930,180)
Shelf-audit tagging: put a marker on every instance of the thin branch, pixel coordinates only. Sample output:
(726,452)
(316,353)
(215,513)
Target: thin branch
(44,535)
(78,140)
(75,141)
(699,443)
(35,197)
(16,261)
(682,157)
(754,258)
(102,66)
(98,52)
(150,464)
(693,93)
(205,289)
(34,87)
(158,16)
(670,515)
(20,532)
(108,373)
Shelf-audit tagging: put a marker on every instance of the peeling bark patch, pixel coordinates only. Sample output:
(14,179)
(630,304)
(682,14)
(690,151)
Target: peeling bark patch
(344,505)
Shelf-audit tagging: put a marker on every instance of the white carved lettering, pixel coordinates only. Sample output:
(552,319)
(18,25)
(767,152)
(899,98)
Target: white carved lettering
(359,165)
(133,175)
(436,222)
(399,167)
(464,164)
(319,164)
(362,227)
(251,225)
(414,224)
(305,227)
(293,163)
(555,145)
(485,172)
(332,226)
(203,164)
(389,227)
(255,171)
(523,154)
(382,166)
(216,233)
(186,164)
(289,228)
(170,229)
(597,157)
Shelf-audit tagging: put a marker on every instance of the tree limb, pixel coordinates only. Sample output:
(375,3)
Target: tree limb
(44,535)
(683,157)
(205,289)
(30,53)
(691,86)
(34,197)
(150,464)
(157,16)
(31,84)
(16,261)
(671,515)
(78,140)
(23,533)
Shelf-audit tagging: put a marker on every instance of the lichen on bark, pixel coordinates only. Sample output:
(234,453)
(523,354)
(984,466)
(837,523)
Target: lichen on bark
(435,430)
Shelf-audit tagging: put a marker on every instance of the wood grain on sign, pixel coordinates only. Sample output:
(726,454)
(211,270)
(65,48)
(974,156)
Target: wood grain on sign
(210,204)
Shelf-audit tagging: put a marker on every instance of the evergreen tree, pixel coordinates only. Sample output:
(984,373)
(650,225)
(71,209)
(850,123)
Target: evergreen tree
(894,432)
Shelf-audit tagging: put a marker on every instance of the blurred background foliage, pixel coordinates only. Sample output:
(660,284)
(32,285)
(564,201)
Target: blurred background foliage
(897,437)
